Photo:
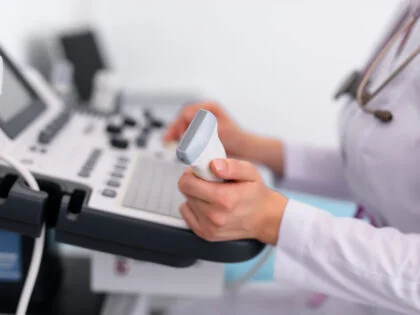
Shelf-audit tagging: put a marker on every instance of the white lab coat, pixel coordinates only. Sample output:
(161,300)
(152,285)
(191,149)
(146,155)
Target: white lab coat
(363,269)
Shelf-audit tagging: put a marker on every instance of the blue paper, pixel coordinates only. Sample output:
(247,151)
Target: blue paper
(337,208)
(10,260)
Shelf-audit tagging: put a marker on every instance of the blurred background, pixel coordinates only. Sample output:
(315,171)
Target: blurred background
(273,64)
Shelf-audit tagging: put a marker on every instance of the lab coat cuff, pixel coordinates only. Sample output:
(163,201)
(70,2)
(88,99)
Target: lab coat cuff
(294,161)
(293,165)
(295,229)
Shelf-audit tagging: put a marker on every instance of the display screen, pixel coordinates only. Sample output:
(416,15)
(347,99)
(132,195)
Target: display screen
(15,97)
(10,260)
(19,103)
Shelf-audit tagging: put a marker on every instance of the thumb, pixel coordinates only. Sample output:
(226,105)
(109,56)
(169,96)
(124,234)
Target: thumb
(231,169)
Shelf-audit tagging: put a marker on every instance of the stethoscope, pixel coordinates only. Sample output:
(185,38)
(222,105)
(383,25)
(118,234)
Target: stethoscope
(363,97)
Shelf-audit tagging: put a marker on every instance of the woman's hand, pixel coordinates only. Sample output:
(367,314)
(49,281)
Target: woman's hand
(231,135)
(236,141)
(242,207)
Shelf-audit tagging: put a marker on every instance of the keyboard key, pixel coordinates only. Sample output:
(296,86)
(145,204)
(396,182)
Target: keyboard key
(113,183)
(117,175)
(154,187)
(90,163)
(53,127)
(142,191)
(109,193)
(131,194)
(155,191)
(120,168)
(96,153)
(122,161)
(84,173)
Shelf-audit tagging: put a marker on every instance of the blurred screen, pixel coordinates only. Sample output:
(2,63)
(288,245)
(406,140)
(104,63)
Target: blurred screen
(15,97)
(10,260)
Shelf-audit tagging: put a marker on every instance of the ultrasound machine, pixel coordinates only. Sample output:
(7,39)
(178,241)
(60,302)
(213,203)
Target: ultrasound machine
(108,182)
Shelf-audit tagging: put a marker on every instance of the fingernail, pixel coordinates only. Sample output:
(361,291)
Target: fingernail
(220,165)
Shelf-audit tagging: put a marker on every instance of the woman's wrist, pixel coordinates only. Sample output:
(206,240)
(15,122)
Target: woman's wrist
(268,220)
(263,150)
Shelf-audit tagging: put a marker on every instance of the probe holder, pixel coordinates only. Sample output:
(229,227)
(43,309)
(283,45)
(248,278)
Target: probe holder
(22,210)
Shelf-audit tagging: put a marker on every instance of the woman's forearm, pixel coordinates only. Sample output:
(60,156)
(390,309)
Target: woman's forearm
(264,150)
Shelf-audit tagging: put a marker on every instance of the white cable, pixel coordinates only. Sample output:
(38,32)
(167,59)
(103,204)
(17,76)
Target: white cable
(30,280)
(239,283)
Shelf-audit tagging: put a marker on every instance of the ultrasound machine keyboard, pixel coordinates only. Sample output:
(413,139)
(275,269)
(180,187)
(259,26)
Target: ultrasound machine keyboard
(153,187)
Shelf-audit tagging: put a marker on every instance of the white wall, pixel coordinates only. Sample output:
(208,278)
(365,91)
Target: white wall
(273,63)
(26,26)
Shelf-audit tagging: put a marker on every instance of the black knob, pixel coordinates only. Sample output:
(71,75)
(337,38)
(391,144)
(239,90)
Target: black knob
(129,121)
(113,128)
(155,123)
(119,143)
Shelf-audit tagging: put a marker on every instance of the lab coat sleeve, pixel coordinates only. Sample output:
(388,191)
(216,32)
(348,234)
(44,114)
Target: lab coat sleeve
(314,171)
(349,259)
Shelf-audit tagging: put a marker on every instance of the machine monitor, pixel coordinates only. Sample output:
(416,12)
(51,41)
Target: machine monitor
(82,50)
(19,104)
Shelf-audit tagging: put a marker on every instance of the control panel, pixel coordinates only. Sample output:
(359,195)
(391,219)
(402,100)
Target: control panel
(108,183)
